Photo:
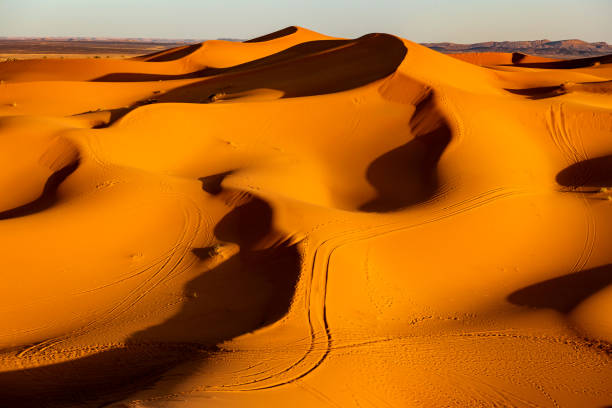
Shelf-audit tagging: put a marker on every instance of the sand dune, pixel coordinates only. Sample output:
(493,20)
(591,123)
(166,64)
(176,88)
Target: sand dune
(306,220)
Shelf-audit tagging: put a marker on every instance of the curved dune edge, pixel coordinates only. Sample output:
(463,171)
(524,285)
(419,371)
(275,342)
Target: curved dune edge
(243,224)
(60,158)
(171,54)
(273,36)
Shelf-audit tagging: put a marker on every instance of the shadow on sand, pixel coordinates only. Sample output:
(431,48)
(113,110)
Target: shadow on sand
(568,64)
(273,36)
(171,54)
(542,92)
(47,198)
(566,292)
(408,174)
(596,172)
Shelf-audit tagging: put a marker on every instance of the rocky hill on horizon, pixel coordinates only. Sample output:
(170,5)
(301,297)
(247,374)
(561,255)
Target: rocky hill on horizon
(546,48)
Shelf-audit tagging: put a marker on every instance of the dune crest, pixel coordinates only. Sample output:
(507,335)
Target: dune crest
(326,221)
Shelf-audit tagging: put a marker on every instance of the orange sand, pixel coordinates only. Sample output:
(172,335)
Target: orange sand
(306,221)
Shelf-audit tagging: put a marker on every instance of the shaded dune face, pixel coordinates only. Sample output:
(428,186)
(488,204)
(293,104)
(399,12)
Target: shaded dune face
(60,159)
(539,92)
(86,381)
(171,54)
(595,88)
(273,36)
(568,64)
(47,198)
(407,175)
(595,172)
(430,230)
(565,292)
(263,275)
(311,68)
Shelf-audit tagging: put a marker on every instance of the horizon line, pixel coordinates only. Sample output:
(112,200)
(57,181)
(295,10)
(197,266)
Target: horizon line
(94,38)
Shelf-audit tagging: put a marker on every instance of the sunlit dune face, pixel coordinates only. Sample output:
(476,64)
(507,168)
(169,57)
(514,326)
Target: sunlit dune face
(308,219)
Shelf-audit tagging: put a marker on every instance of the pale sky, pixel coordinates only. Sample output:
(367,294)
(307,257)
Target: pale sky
(461,21)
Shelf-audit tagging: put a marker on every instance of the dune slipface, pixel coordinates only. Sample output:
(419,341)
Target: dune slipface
(306,220)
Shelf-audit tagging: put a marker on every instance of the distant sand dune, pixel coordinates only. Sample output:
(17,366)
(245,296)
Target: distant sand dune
(171,54)
(273,36)
(306,220)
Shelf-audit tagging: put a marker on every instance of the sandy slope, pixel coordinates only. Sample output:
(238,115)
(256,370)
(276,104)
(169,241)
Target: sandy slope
(306,220)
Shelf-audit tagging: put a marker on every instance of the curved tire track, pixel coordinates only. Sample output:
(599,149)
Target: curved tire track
(558,130)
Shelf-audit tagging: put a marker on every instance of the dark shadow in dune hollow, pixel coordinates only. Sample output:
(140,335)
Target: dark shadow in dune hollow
(593,87)
(86,382)
(171,54)
(113,115)
(249,290)
(596,87)
(567,64)
(596,172)
(566,292)
(408,174)
(273,36)
(542,92)
(47,198)
(517,57)
(212,184)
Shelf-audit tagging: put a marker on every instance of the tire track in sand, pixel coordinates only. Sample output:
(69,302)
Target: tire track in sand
(316,292)
(172,265)
(558,130)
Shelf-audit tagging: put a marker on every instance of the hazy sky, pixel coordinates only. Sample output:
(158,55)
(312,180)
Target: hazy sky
(418,20)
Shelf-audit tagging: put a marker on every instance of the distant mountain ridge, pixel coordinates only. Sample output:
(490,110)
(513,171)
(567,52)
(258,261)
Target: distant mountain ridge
(105,39)
(572,48)
(544,48)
